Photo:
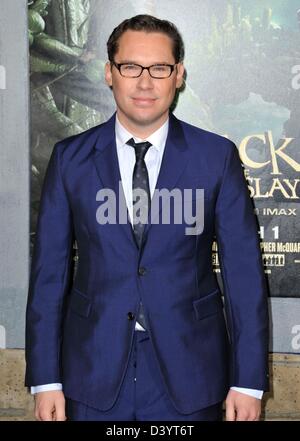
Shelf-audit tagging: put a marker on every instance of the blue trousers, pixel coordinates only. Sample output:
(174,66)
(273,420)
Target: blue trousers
(142,396)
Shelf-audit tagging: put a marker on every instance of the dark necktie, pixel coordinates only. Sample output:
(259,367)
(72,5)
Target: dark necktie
(140,180)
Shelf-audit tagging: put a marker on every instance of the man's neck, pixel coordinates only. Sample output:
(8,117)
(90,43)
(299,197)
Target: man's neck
(142,132)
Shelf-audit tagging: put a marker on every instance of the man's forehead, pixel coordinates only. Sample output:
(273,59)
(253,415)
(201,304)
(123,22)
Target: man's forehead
(140,44)
(138,38)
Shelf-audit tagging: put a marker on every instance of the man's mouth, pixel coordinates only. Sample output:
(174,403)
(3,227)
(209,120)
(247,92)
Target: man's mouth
(143,100)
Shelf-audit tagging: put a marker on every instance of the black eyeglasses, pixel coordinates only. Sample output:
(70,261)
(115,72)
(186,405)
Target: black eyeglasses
(132,70)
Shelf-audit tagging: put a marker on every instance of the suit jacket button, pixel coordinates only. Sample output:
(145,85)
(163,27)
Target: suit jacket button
(142,271)
(130,316)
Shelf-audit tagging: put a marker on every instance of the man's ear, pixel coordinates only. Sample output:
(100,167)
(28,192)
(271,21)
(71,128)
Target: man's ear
(180,75)
(108,76)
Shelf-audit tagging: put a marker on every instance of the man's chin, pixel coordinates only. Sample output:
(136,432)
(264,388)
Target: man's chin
(146,119)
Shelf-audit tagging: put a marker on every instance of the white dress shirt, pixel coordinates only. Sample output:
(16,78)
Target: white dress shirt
(153,159)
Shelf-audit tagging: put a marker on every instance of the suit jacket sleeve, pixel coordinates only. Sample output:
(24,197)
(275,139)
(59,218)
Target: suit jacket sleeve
(245,290)
(49,278)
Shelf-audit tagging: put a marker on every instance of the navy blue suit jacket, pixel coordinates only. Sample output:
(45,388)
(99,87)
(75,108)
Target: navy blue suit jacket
(78,333)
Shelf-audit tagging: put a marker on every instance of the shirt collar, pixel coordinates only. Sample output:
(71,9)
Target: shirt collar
(157,139)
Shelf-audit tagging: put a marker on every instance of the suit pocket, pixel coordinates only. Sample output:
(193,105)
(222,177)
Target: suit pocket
(79,303)
(209,305)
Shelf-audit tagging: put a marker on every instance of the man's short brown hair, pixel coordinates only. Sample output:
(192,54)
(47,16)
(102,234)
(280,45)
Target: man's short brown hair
(146,23)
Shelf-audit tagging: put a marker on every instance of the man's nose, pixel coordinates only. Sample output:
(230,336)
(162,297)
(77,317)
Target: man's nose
(145,80)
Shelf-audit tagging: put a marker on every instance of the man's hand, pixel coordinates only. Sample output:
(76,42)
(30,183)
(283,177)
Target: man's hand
(50,406)
(242,407)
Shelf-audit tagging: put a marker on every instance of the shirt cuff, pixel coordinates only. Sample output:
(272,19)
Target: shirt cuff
(252,392)
(45,388)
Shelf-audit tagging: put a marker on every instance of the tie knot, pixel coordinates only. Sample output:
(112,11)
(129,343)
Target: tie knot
(140,148)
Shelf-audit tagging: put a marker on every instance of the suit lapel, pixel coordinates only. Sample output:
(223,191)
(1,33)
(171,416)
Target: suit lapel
(107,165)
(173,164)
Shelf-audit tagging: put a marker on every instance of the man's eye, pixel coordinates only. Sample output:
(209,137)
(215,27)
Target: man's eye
(159,68)
(130,67)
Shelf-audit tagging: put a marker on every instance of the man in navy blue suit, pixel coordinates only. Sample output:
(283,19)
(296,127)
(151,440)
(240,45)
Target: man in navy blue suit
(140,333)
